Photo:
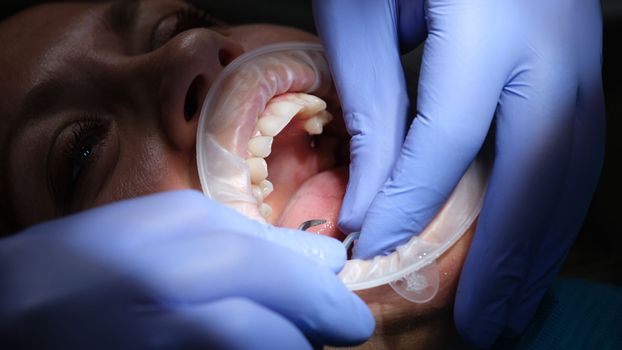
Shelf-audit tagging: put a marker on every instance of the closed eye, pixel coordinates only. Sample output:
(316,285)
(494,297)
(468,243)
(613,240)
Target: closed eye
(179,22)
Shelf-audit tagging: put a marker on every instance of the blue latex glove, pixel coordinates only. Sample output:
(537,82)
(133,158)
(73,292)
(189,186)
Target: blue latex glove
(172,271)
(536,65)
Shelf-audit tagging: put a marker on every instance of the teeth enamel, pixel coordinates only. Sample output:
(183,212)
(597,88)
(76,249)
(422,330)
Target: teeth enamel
(315,124)
(271,125)
(279,112)
(258,193)
(312,104)
(276,117)
(266,188)
(260,146)
(283,108)
(258,169)
(265,210)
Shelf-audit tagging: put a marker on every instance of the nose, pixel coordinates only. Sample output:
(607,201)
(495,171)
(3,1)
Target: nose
(189,63)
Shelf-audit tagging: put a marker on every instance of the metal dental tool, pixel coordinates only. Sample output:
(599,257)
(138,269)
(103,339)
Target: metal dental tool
(350,239)
(310,223)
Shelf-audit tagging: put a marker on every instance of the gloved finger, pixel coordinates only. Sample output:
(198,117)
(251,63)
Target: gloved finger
(361,36)
(180,212)
(462,75)
(309,296)
(323,250)
(230,323)
(167,256)
(535,130)
(582,176)
(326,251)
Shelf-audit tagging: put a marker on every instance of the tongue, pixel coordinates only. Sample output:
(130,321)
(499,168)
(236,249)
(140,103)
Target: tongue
(319,197)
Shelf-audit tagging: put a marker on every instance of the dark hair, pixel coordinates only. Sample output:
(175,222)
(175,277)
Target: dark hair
(11,7)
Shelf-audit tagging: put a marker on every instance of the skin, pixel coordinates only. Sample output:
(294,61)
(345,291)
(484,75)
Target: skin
(401,324)
(97,73)
(111,76)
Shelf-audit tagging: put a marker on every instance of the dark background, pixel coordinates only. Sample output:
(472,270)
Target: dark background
(597,252)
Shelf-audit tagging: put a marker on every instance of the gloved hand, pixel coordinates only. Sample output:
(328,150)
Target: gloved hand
(174,270)
(536,67)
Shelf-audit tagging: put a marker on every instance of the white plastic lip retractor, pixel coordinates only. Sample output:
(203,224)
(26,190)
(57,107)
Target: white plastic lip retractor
(411,270)
(223,173)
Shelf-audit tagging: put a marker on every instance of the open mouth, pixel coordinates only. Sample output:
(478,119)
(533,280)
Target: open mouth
(271,143)
(308,168)
(276,119)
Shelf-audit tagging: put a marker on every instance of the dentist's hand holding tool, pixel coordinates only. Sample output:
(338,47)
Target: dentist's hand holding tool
(535,66)
(174,270)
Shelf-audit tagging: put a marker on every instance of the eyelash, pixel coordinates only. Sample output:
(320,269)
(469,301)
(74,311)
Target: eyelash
(192,17)
(185,19)
(87,136)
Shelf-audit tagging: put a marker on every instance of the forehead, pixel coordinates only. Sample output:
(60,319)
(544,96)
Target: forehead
(35,42)
(38,29)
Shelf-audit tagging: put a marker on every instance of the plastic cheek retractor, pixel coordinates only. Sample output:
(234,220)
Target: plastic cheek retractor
(230,111)
(411,270)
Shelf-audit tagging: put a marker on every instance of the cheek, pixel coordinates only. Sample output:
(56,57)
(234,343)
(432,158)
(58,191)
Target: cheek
(254,36)
(149,166)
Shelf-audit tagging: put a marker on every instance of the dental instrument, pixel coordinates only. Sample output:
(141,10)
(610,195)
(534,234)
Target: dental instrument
(310,223)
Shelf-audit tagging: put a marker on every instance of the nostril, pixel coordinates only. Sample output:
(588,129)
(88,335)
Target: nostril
(225,57)
(191,103)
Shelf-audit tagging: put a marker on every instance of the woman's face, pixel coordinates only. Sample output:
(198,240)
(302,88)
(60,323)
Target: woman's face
(100,102)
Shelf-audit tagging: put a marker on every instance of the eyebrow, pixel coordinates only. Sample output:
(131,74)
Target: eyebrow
(42,100)
(121,16)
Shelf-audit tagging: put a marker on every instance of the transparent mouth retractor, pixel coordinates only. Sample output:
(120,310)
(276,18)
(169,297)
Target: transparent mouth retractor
(411,270)
(233,102)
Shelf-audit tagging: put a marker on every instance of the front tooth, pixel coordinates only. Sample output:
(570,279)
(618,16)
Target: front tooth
(258,169)
(266,188)
(276,116)
(265,210)
(260,146)
(258,193)
(271,125)
(312,104)
(315,124)
(283,108)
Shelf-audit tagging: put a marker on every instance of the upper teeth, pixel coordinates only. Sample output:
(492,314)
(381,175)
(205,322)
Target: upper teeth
(276,116)
(315,124)
(278,113)
(260,146)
